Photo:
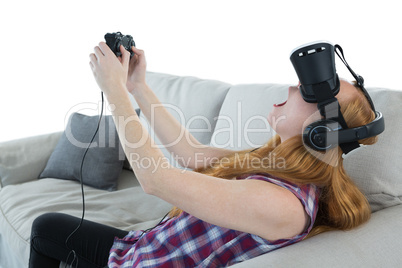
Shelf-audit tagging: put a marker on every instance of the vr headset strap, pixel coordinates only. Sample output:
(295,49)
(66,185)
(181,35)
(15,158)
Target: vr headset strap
(359,78)
(329,108)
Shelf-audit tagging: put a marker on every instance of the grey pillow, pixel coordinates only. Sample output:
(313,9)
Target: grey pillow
(103,161)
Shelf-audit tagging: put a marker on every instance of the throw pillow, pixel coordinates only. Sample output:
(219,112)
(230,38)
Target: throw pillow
(104,160)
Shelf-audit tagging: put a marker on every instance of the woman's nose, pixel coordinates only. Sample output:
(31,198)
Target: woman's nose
(295,87)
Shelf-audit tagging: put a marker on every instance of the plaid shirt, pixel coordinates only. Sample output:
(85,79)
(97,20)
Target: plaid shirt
(186,241)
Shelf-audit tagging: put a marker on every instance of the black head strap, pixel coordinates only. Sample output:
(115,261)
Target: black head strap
(329,108)
(359,79)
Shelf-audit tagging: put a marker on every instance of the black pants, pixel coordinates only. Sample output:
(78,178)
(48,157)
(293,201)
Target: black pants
(91,243)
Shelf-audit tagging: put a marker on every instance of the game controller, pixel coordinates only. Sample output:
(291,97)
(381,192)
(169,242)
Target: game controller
(115,40)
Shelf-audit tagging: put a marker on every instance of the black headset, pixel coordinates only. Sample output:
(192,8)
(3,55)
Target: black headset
(314,64)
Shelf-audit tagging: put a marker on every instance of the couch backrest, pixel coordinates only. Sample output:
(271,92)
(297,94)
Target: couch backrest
(237,119)
(377,169)
(195,102)
(242,122)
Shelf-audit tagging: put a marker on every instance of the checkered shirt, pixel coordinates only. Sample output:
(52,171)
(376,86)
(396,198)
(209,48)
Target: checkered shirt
(186,241)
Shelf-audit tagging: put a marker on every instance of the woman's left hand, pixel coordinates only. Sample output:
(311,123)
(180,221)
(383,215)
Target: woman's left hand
(109,71)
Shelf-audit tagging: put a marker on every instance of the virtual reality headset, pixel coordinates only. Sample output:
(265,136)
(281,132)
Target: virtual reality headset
(314,64)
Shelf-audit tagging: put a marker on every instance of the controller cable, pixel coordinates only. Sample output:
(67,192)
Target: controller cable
(72,251)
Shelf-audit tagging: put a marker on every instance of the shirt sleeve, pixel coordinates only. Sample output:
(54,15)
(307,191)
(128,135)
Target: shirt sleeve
(307,194)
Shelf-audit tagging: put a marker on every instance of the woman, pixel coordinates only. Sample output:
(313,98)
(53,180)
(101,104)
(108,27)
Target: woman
(229,212)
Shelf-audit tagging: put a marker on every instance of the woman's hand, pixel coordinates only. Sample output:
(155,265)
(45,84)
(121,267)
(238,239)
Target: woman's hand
(136,70)
(110,72)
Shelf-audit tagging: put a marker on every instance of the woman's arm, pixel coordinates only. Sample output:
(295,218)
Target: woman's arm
(251,206)
(189,151)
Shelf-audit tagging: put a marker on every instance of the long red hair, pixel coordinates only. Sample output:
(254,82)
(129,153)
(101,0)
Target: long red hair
(342,206)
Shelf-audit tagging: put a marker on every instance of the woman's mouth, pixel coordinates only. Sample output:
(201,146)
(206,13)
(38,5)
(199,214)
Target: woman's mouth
(280,104)
(283,103)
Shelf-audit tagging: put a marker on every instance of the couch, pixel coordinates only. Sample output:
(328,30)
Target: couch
(222,115)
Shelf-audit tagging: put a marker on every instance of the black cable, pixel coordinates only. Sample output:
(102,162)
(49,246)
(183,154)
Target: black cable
(75,259)
(151,228)
(72,251)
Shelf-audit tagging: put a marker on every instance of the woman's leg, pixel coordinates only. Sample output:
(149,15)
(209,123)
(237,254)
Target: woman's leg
(91,243)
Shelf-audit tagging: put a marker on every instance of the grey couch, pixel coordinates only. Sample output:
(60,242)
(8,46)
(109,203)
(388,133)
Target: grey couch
(224,115)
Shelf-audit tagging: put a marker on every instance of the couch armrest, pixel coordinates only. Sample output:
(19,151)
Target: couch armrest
(23,160)
(374,244)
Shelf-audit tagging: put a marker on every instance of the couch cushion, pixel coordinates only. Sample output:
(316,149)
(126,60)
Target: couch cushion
(103,161)
(376,169)
(129,208)
(374,244)
(193,101)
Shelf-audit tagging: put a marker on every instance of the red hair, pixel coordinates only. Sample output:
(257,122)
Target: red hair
(342,205)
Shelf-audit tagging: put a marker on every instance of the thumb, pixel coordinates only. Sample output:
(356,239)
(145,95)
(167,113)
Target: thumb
(125,57)
(140,55)
(137,51)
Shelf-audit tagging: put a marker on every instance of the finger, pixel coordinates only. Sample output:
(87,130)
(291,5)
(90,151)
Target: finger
(98,53)
(93,57)
(105,49)
(93,61)
(92,66)
(125,59)
(139,56)
(137,51)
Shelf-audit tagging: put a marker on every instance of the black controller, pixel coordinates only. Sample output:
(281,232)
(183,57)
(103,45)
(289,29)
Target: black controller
(115,40)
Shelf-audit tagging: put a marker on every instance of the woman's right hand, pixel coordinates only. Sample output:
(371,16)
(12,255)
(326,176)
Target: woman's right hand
(136,70)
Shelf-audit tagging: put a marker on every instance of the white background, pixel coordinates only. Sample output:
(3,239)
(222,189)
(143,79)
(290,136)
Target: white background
(45,47)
